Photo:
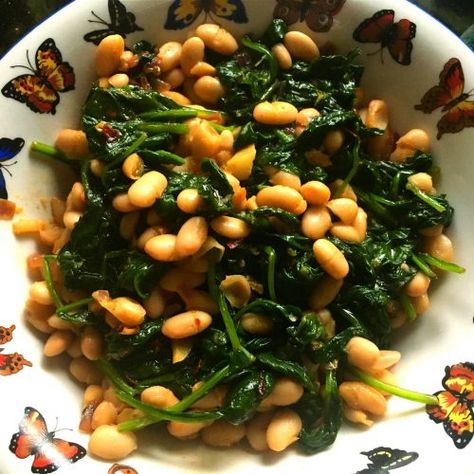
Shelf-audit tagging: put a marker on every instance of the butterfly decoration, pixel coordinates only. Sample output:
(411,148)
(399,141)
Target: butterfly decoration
(396,37)
(8,149)
(121,469)
(383,460)
(318,14)
(449,94)
(6,334)
(40,89)
(183,13)
(122,22)
(33,439)
(456,404)
(10,363)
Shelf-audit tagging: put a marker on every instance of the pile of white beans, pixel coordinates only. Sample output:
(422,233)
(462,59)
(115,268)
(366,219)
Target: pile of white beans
(189,80)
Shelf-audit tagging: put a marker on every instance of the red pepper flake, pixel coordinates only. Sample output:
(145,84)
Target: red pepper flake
(234,244)
(7,209)
(109,132)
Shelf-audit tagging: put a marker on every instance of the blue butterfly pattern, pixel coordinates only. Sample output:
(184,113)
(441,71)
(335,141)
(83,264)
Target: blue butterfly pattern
(8,149)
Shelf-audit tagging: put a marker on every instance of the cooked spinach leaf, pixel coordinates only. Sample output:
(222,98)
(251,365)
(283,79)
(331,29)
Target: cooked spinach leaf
(243,399)
(318,434)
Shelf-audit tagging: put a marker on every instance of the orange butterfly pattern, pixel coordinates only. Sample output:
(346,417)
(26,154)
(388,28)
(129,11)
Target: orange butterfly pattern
(40,89)
(6,334)
(10,363)
(318,14)
(395,36)
(449,94)
(121,469)
(183,13)
(33,439)
(456,404)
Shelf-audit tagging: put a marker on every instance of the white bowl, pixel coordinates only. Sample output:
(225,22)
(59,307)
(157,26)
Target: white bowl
(442,337)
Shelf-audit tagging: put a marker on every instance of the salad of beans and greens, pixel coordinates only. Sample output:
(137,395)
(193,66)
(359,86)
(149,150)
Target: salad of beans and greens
(245,234)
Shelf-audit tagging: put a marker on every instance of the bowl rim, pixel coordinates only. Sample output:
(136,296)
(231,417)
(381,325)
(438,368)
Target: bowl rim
(455,37)
(405,4)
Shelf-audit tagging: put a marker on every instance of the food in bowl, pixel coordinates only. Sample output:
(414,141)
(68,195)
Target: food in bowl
(245,236)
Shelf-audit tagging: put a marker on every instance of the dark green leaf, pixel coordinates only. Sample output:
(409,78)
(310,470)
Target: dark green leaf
(244,397)
(119,346)
(308,331)
(279,313)
(274,32)
(288,368)
(334,348)
(314,438)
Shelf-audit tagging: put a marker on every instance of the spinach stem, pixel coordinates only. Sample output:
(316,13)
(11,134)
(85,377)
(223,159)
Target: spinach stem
(158,380)
(284,137)
(385,201)
(372,201)
(163,157)
(202,390)
(269,91)
(50,151)
(126,393)
(169,114)
(243,357)
(422,265)
(131,149)
(266,53)
(220,128)
(425,197)
(407,306)
(353,170)
(49,280)
(442,264)
(158,414)
(271,272)
(224,309)
(206,112)
(61,308)
(112,373)
(394,188)
(85,170)
(178,128)
(394,389)
(136,424)
(76,304)
(135,145)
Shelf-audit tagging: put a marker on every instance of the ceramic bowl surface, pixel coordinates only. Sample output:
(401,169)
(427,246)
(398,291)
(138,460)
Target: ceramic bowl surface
(441,338)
